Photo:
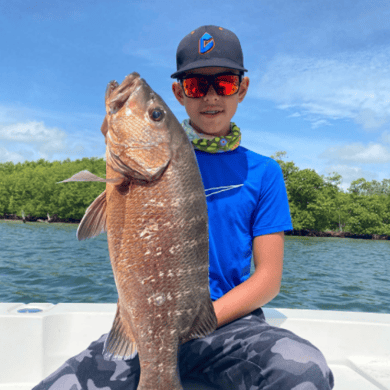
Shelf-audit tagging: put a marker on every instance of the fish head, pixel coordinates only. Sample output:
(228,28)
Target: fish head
(137,129)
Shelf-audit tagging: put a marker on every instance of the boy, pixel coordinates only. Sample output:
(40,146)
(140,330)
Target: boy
(248,212)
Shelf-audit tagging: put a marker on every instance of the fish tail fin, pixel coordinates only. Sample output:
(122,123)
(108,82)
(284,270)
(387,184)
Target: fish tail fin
(204,323)
(120,343)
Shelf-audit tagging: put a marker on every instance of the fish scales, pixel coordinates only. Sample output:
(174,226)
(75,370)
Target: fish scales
(155,213)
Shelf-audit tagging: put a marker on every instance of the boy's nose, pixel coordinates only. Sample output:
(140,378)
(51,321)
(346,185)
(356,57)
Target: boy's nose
(211,93)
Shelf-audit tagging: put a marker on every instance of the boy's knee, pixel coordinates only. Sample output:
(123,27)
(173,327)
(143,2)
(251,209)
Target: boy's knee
(301,363)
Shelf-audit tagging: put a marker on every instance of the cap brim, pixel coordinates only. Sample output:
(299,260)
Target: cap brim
(212,62)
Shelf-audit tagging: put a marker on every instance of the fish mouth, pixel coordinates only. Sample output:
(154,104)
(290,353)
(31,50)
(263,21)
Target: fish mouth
(117,95)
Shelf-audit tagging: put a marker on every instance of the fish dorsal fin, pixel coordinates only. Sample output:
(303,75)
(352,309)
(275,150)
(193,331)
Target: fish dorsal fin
(94,219)
(204,323)
(120,343)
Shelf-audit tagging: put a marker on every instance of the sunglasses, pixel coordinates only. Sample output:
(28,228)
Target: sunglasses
(225,84)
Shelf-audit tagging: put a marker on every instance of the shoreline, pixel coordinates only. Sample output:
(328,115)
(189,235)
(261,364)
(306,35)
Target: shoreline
(28,218)
(315,233)
(301,233)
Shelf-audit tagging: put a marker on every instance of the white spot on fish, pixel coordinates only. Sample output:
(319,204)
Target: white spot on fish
(159,299)
(173,249)
(145,231)
(169,297)
(183,292)
(143,281)
(154,226)
(128,111)
(185,330)
(191,243)
(160,367)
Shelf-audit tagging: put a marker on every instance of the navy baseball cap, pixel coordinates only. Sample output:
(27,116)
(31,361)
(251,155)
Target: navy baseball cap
(209,46)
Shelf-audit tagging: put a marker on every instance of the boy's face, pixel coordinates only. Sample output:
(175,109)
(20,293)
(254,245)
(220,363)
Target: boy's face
(218,125)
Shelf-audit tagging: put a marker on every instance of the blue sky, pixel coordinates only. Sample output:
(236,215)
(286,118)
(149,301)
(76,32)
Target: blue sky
(319,75)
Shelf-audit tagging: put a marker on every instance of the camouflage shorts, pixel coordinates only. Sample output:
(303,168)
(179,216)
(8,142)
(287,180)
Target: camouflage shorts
(245,354)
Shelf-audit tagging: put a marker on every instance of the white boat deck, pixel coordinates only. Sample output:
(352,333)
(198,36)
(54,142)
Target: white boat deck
(33,345)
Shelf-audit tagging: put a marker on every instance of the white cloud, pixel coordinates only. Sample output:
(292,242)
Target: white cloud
(320,122)
(32,140)
(303,151)
(6,155)
(351,86)
(349,174)
(358,153)
(32,132)
(385,137)
(295,115)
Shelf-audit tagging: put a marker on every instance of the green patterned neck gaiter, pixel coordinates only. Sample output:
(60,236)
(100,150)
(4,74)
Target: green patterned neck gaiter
(225,143)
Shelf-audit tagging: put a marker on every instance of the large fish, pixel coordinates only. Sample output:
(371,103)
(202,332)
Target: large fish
(155,213)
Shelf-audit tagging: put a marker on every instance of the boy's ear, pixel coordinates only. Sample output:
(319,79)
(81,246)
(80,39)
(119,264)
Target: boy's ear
(178,92)
(243,89)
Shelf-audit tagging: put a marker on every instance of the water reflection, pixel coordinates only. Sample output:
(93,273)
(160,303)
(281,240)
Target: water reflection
(42,262)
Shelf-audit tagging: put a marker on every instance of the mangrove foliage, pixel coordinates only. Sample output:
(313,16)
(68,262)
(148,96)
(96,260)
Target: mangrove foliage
(316,202)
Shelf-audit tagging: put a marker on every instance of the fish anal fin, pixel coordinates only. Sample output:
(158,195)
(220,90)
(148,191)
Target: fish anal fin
(120,343)
(94,219)
(204,324)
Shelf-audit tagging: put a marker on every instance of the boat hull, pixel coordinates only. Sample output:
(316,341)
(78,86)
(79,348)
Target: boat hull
(356,345)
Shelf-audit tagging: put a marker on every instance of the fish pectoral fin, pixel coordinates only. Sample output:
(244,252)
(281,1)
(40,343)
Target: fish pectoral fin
(88,176)
(94,219)
(204,323)
(120,343)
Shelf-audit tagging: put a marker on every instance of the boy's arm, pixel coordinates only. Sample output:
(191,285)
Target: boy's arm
(261,287)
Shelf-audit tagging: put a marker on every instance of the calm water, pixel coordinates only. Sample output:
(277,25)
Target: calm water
(46,263)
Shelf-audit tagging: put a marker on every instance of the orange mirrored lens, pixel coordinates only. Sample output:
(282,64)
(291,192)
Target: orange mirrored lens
(227,84)
(224,85)
(195,87)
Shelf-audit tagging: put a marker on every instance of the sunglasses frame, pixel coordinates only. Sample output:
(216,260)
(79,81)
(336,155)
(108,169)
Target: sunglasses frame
(211,81)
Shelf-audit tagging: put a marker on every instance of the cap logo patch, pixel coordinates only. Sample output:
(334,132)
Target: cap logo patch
(206,43)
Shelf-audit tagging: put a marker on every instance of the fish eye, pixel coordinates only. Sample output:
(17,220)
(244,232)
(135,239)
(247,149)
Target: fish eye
(156,114)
